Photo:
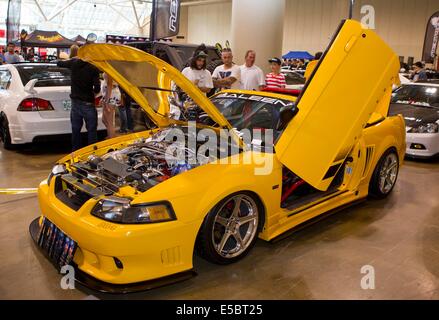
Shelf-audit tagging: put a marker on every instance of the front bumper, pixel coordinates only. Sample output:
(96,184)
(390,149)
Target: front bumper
(428,141)
(150,252)
(88,281)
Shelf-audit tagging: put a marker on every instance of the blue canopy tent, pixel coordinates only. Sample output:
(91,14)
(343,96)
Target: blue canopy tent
(298,55)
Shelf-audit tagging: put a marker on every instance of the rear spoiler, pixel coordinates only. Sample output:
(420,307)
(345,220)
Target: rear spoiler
(29,87)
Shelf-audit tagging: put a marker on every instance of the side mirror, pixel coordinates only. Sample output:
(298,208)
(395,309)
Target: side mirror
(286,115)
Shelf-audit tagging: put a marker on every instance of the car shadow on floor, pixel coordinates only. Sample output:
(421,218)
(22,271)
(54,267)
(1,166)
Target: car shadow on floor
(433,160)
(48,148)
(53,145)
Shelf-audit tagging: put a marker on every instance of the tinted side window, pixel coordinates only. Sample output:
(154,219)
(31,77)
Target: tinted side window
(5,79)
(213,54)
(185,53)
(162,54)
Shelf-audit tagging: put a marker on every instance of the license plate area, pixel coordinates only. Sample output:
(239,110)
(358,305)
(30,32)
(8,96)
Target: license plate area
(67,105)
(58,246)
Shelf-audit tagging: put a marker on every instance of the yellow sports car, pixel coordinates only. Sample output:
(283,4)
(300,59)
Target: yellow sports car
(215,174)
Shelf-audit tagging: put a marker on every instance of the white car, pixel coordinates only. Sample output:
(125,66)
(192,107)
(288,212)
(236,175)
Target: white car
(295,80)
(419,104)
(34,103)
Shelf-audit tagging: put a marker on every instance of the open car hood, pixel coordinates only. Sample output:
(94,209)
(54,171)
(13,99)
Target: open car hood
(137,72)
(353,80)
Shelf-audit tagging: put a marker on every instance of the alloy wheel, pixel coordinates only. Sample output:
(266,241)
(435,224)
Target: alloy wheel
(235,226)
(388,173)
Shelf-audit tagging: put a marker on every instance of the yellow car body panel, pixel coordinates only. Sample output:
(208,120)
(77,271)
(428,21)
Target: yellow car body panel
(152,251)
(343,87)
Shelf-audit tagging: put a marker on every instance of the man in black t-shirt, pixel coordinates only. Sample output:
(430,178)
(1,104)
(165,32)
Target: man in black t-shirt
(85,84)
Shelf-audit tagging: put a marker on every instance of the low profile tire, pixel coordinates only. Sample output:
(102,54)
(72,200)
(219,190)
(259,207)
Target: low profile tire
(385,175)
(231,229)
(5,136)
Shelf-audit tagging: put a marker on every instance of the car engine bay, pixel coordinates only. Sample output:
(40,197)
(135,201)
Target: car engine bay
(142,164)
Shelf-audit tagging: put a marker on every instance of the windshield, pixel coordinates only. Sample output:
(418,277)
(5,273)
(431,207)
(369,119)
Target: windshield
(251,111)
(47,75)
(423,96)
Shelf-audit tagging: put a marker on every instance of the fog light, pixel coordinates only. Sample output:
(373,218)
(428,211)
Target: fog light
(418,146)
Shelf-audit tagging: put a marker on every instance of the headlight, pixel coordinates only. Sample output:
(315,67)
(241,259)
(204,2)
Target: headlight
(426,128)
(57,170)
(120,210)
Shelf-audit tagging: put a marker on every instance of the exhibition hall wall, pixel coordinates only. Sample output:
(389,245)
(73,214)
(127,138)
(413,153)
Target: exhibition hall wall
(401,23)
(310,24)
(210,23)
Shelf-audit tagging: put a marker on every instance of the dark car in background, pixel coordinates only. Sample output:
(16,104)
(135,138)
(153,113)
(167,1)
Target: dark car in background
(419,104)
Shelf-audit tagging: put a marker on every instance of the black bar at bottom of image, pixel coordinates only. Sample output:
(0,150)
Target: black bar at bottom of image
(215,309)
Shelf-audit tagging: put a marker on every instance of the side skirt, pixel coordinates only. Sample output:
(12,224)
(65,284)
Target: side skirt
(314,220)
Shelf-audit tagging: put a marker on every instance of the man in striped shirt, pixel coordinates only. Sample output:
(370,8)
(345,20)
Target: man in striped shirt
(275,79)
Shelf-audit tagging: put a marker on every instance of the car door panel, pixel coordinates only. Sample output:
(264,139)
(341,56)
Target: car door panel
(350,82)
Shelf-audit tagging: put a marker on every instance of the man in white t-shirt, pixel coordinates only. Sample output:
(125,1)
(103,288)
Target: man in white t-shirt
(252,77)
(198,74)
(228,75)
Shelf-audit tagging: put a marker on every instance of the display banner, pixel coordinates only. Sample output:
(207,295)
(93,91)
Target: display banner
(165,19)
(431,39)
(13,20)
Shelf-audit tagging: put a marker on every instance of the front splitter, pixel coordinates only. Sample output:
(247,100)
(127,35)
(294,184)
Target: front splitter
(90,282)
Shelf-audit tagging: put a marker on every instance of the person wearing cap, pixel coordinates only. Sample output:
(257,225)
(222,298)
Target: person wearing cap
(228,75)
(275,79)
(419,72)
(201,47)
(198,74)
